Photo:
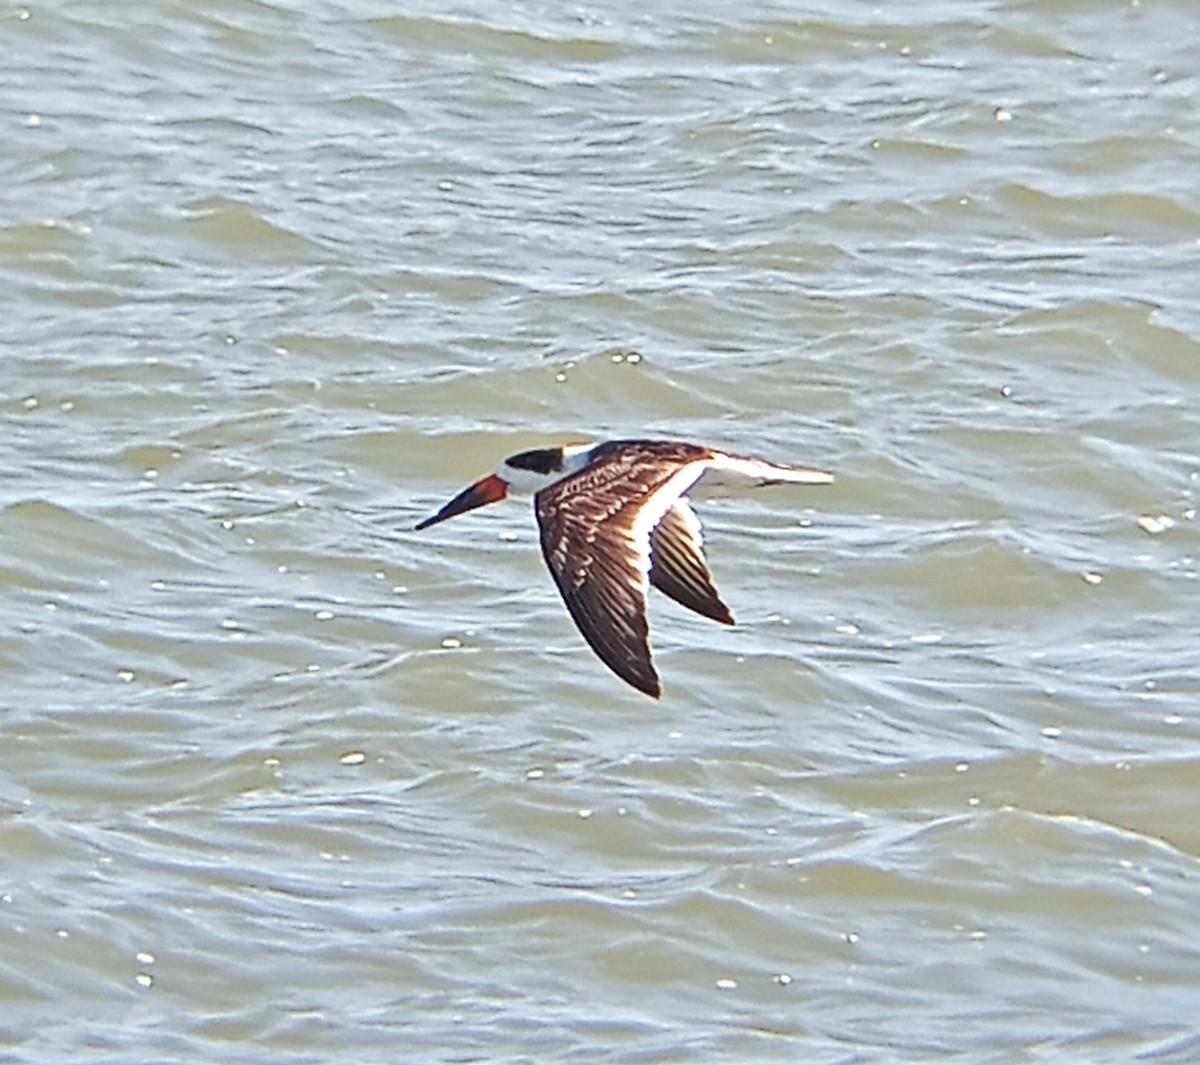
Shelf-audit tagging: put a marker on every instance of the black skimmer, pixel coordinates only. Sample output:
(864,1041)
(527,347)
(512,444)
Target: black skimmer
(614,519)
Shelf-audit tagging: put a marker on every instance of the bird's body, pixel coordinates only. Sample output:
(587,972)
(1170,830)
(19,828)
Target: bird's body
(615,519)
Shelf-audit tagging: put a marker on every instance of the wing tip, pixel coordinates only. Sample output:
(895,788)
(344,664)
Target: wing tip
(647,685)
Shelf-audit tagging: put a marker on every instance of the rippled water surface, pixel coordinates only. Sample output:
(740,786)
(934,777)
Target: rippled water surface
(281,779)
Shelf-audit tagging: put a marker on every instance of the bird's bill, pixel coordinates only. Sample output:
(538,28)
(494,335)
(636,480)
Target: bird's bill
(489,490)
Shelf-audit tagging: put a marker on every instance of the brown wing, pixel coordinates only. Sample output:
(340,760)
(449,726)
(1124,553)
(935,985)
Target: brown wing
(677,565)
(599,551)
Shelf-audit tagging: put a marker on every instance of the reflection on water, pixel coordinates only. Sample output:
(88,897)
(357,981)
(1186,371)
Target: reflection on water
(281,774)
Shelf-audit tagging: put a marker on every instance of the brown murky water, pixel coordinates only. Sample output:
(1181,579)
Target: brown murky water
(284,780)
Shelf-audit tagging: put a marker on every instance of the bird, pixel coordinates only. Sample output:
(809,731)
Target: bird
(615,519)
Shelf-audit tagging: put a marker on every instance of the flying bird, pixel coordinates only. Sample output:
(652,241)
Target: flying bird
(614,519)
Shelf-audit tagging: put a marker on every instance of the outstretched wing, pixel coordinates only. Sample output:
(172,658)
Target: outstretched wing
(677,566)
(596,528)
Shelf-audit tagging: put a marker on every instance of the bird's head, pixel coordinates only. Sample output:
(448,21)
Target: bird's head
(527,471)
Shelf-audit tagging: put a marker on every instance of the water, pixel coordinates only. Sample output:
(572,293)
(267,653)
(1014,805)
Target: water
(283,779)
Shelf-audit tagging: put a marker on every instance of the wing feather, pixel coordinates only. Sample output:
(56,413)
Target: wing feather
(678,568)
(596,527)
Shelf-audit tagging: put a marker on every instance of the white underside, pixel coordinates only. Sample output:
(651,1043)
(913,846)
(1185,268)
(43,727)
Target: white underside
(719,474)
(725,473)
(652,511)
